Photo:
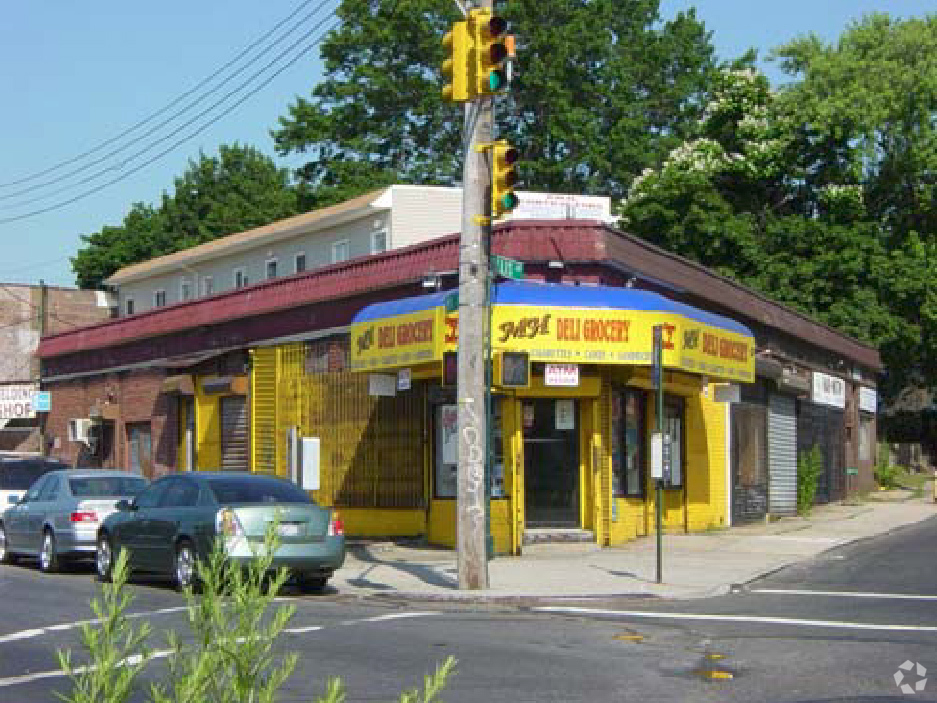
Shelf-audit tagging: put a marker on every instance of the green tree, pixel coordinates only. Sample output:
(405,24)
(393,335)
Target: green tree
(237,189)
(602,89)
(779,203)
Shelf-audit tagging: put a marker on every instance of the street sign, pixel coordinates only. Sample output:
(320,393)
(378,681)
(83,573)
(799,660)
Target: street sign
(43,401)
(507,268)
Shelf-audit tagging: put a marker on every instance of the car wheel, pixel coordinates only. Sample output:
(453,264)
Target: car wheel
(104,559)
(6,556)
(48,558)
(313,584)
(184,574)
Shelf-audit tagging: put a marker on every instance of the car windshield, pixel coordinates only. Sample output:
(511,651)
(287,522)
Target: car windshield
(256,490)
(105,486)
(18,476)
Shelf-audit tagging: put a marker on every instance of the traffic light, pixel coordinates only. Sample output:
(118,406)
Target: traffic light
(456,68)
(488,37)
(503,179)
(512,369)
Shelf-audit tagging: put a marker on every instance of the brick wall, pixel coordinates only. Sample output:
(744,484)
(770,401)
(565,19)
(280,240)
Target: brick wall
(127,398)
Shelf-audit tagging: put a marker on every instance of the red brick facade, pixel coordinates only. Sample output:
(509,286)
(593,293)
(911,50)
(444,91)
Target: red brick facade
(122,399)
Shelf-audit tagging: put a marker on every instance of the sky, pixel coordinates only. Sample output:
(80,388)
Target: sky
(78,79)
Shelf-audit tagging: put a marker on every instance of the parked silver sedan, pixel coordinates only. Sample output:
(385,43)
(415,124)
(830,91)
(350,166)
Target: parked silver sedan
(59,516)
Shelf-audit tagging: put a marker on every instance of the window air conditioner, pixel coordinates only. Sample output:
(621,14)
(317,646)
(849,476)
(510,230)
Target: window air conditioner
(79,430)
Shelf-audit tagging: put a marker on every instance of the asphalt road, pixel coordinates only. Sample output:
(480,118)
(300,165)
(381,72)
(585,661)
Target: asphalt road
(794,636)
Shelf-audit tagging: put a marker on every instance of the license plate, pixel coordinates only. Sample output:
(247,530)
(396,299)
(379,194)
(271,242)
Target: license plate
(289,529)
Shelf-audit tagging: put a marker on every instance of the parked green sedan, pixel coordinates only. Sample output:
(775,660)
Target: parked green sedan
(173,524)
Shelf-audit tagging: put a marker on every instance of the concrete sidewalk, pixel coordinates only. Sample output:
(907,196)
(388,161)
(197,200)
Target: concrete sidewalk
(694,566)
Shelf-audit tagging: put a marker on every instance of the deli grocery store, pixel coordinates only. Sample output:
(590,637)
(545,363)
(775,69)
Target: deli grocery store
(359,355)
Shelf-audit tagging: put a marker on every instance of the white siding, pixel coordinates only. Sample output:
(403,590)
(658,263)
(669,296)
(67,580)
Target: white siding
(424,212)
(316,245)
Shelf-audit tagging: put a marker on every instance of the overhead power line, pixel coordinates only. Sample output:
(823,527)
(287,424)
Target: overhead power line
(196,132)
(124,161)
(175,101)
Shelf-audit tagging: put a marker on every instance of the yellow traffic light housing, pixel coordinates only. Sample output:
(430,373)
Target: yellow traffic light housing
(457,67)
(489,51)
(503,179)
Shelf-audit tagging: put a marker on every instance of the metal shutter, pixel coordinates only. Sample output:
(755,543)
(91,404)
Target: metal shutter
(782,455)
(234,443)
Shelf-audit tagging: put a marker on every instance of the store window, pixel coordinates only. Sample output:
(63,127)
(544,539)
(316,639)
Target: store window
(673,442)
(629,473)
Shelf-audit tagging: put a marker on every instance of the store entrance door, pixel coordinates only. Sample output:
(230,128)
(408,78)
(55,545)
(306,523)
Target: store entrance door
(551,462)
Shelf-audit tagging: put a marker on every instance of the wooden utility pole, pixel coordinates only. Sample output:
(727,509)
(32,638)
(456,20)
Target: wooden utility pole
(473,322)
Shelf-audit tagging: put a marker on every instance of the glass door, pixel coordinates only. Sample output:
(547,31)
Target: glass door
(551,462)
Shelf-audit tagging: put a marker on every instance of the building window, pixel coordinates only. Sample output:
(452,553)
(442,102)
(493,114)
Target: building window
(629,471)
(378,242)
(185,290)
(240,278)
(866,438)
(339,251)
(208,285)
(271,268)
(159,298)
(129,306)
(673,435)
(300,262)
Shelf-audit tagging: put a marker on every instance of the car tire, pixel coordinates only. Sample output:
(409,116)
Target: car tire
(6,556)
(184,568)
(312,584)
(104,559)
(48,557)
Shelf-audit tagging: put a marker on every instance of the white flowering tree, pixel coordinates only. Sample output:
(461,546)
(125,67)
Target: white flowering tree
(789,200)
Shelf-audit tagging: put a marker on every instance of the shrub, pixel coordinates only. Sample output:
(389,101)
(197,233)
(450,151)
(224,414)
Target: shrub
(886,474)
(809,468)
(231,656)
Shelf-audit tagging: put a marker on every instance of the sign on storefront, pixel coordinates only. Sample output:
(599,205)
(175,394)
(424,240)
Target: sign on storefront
(18,401)
(828,390)
(382,384)
(868,399)
(566,375)
(565,411)
(403,380)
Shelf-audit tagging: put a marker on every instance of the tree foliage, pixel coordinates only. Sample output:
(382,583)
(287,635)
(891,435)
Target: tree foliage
(822,195)
(602,89)
(237,189)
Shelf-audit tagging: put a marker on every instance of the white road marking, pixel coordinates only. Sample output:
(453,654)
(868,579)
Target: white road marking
(396,616)
(809,540)
(160,654)
(845,594)
(837,624)
(39,631)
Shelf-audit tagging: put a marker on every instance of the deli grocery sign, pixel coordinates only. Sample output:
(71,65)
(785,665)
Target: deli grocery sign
(18,401)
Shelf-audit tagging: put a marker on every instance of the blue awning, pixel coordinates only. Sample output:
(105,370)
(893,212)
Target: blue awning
(534,293)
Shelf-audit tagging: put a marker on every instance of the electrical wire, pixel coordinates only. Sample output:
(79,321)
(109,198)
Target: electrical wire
(152,145)
(173,146)
(175,101)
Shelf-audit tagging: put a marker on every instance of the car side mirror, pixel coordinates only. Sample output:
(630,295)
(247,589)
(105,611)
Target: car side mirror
(125,505)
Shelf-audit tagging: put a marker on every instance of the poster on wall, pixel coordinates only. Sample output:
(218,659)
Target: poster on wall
(565,414)
(447,451)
